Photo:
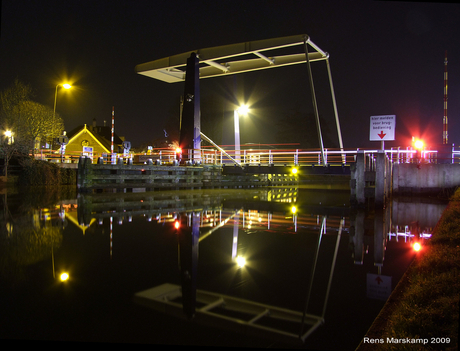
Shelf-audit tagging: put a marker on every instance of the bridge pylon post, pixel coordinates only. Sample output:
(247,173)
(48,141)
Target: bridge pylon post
(358,180)
(190,128)
(380,177)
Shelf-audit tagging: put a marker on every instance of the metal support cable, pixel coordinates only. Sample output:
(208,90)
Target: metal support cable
(313,97)
(339,133)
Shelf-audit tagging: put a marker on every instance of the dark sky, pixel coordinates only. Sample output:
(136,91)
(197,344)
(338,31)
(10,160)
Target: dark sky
(386,57)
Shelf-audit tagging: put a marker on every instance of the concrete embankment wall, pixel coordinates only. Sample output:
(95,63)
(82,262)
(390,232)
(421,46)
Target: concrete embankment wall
(127,177)
(428,178)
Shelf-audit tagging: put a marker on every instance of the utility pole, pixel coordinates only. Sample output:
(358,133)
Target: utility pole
(444,120)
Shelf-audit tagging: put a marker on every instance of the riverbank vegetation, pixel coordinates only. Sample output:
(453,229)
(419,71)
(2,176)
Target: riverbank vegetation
(38,173)
(26,125)
(425,304)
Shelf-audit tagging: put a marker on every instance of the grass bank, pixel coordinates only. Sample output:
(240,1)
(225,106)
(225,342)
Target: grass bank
(422,313)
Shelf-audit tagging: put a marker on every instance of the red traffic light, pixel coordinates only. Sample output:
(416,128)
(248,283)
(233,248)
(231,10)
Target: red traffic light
(177,224)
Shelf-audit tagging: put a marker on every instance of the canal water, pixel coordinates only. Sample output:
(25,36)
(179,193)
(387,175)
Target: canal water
(223,267)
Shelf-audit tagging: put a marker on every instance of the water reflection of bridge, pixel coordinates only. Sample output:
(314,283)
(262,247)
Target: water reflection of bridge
(255,212)
(403,222)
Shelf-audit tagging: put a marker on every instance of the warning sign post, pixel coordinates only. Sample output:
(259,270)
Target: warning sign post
(382,128)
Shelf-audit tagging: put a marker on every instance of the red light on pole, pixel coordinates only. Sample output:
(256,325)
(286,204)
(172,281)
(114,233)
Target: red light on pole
(417,247)
(419,144)
(178,152)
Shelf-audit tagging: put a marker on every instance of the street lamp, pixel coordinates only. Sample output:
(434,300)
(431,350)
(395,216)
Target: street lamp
(9,136)
(243,110)
(65,86)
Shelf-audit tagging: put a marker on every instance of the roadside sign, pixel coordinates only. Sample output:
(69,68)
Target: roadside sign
(382,128)
(63,140)
(88,151)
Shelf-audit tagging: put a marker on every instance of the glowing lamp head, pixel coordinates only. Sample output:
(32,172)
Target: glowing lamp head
(293,209)
(66,86)
(417,247)
(178,150)
(64,277)
(177,224)
(243,110)
(294,170)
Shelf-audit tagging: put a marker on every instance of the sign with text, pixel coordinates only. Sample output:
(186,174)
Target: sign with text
(88,151)
(378,286)
(382,128)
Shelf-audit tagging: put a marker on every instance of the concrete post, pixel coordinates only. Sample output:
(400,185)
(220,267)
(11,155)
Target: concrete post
(84,179)
(380,175)
(360,179)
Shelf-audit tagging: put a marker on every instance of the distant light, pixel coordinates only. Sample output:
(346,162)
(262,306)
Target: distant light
(8,133)
(67,86)
(294,171)
(240,261)
(293,209)
(417,247)
(178,150)
(177,224)
(418,144)
(64,277)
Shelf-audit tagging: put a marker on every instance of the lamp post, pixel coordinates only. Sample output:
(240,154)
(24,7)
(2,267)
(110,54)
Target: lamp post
(243,110)
(65,86)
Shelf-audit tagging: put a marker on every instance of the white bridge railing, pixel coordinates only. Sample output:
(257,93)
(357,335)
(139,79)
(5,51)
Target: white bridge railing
(331,156)
(257,156)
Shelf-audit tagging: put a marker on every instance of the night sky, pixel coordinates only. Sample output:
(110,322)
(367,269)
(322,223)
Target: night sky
(386,57)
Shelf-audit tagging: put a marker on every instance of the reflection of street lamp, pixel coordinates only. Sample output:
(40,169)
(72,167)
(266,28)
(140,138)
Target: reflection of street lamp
(64,276)
(240,261)
(65,86)
(243,110)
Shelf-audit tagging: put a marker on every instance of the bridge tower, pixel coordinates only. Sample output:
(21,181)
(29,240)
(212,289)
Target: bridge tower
(190,137)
